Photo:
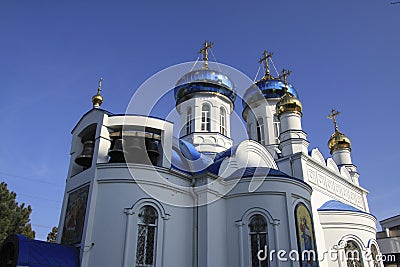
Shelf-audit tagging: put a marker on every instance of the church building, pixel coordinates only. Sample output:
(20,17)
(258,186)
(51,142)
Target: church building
(135,195)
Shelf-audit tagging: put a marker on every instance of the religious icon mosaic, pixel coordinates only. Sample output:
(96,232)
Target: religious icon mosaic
(305,237)
(75,216)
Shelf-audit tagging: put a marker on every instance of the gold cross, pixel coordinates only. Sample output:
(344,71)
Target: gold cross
(204,50)
(333,116)
(264,59)
(284,75)
(100,84)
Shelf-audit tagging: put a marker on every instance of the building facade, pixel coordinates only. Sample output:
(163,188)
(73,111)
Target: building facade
(389,241)
(137,196)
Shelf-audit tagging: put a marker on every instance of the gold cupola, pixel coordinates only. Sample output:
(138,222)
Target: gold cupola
(338,140)
(97,99)
(288,102)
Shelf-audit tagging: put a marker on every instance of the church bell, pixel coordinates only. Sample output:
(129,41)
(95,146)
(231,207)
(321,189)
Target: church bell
(136,149)
(152,151)
(117,152)
(86,157)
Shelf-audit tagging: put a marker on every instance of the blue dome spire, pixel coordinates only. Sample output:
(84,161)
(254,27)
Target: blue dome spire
(204,80)
(268,86)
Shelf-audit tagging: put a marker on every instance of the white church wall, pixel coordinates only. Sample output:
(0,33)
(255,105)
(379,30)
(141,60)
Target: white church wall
(339,226)
(275,199)
(111,233)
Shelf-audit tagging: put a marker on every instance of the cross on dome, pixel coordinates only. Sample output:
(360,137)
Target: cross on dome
(97,99)
(284,75)
(204,50)
(264,59)
(334,113)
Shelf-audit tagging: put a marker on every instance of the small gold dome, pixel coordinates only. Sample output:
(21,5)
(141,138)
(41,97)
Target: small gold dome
(97,100)
(289,103)
(339,140)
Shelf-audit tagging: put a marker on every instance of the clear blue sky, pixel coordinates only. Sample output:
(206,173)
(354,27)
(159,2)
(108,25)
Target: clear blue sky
(343,54)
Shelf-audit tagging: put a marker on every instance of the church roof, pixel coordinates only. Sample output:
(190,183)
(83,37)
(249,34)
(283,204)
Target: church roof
(258,171)
(335,205)
(35,253)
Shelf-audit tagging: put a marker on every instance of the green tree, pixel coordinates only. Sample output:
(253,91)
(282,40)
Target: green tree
(14,218)
(52,236)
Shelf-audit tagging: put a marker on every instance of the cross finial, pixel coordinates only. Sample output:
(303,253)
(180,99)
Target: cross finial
(333,116)
(97,99)
(264,59)
(100,84)
(284,75)
(204,50)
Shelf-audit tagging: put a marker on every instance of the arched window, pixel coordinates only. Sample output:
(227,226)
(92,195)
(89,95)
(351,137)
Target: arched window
(260,131)
(374,256)
(276,129)
(206,118)
(258,239)
(222,121)
(353,254)
(189,121)
(147,234)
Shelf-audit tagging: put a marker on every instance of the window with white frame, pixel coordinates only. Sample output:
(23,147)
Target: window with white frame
(147,236)
(206,118)
(189,121)
(276,128)
(260,131)
(222,121)
(258,239)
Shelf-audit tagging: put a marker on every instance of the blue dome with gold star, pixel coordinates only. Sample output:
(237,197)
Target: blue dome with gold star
(204,80)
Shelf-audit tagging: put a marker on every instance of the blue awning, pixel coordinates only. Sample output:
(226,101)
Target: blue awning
(21,251)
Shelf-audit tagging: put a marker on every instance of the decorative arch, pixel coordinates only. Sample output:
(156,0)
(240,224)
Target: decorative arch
(331,164)
(137,228)
(316,154)
(252,211)
(257,228)
(374,251)
(248,153)
(345,173)
(349,237)
(151,202)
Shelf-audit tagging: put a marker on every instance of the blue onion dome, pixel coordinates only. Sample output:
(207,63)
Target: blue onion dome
(267,88)
(204,80)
